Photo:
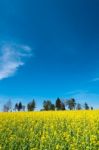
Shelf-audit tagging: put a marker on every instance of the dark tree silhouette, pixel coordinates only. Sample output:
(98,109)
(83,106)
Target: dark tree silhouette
(47,105)
(52,107)
(78,106)
(58,104)
(71,104)
(31,106)
(91,108)
(18,106)
(86,107)
(62,106)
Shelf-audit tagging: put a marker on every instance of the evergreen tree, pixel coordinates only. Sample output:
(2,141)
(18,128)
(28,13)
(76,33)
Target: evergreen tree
(58,104)
(86,107)
(20,106)
(31,106)
(78,107)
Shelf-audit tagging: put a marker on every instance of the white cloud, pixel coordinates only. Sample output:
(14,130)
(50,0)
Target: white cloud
(12,56)
(26,48)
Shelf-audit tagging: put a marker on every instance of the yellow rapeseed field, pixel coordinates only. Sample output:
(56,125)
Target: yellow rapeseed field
(52,130)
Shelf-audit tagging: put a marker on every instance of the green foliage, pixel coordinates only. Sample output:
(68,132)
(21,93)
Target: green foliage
(71,104)
(47,105)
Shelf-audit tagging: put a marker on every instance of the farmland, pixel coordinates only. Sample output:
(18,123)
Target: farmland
(50,130)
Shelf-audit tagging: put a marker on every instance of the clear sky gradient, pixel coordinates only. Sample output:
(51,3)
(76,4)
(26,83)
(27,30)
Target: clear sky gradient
(49,49)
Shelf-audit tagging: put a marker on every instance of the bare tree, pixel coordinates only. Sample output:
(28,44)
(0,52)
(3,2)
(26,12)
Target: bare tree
(8,106)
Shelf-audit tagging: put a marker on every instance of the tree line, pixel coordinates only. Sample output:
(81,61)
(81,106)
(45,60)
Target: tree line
(59,104)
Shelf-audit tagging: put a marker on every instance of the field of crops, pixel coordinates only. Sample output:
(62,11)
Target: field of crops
(59,130)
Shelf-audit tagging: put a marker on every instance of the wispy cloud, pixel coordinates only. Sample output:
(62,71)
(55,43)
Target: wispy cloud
(95,79)
(12,56)
(83,96)
(90,98)
(75,92)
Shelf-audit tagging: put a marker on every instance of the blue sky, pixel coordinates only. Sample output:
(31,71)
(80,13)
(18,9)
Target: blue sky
(49,49)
